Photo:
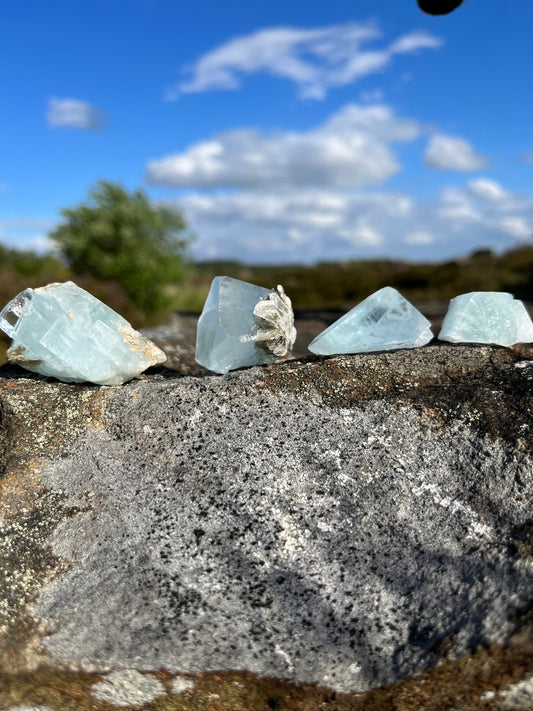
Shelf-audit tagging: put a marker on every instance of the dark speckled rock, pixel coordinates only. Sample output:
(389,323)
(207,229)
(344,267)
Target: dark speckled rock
(344,521)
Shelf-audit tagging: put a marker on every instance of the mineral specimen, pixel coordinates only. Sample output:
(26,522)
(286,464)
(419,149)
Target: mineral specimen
(61,330)
(487,317)
(242,324)
(383,321)
(274,321)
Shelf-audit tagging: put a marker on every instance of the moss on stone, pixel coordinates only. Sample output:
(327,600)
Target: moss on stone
(456,685)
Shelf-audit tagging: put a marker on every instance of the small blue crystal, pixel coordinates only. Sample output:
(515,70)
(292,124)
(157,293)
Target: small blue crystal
(382,322)
(487,317)
(226,328)
(62,331)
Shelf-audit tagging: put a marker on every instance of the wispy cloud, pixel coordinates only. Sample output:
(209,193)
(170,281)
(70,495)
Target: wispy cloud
(350,150)
(73,113)
(21,224)
(419,238)
(316,60)
(27,232)
(301,224)
(298,224)
(519,227)
(489,189)
(453,153)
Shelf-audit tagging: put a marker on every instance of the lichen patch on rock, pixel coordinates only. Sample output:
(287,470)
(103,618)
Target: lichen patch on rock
(128,688)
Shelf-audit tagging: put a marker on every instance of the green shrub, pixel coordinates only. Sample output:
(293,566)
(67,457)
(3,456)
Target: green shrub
(120,236)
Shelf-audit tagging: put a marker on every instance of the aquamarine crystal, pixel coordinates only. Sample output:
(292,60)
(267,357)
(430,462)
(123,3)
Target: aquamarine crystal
(487,317)
(242,324)
(382,322)
(61,330)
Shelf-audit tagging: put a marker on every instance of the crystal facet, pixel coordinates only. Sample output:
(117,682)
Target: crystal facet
(242,324)
(61,330)
(384,321)
(487,317)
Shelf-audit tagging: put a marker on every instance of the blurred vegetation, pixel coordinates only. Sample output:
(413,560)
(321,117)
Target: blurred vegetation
(342,284)
(122,237)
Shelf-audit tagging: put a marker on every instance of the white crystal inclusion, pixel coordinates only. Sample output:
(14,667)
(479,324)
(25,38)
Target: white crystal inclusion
(487,317)
(62,331)
(228,336)
(384,321)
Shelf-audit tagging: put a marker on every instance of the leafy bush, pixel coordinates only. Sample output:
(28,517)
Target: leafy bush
(118,235)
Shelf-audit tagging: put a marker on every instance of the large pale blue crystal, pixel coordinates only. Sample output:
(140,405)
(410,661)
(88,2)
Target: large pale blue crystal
(243,324)
(487,317)
(61,330)
(382,322)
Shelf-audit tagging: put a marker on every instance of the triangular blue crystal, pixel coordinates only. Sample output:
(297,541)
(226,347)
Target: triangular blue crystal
(383,321)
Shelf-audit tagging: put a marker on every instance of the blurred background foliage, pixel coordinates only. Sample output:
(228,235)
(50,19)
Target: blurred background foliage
(121,237)
(341,285)
(132,255)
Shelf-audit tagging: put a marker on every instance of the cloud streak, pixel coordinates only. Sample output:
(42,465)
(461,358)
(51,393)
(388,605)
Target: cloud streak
(316,60)
(73,113)
(453,153)
(306,225)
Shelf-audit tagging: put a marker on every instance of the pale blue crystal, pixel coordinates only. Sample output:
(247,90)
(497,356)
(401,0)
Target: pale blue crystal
(487,317)
(226,328)
(62,331)
(383,321)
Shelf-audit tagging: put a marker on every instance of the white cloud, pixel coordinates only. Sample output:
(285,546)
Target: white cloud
(27,232)
(488,189)
(300,224)
(361,234)
(518,227)
(452,153)
(305,196)
(3,188)
(349,150)
(73,113)
(419,238)
(458,206)
(527,157)
(304,225)
(374,96)
(316,60)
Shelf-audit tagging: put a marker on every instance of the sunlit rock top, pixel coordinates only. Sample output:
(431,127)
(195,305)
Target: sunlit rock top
(61,330)
(384,321)
(487,317)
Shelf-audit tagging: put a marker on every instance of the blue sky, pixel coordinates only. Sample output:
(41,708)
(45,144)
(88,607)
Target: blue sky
(287,131)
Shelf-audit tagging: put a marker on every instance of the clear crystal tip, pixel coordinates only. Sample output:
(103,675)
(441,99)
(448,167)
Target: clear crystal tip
(62,331)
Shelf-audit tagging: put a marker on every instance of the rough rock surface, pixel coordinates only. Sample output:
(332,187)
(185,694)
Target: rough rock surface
(344,521)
